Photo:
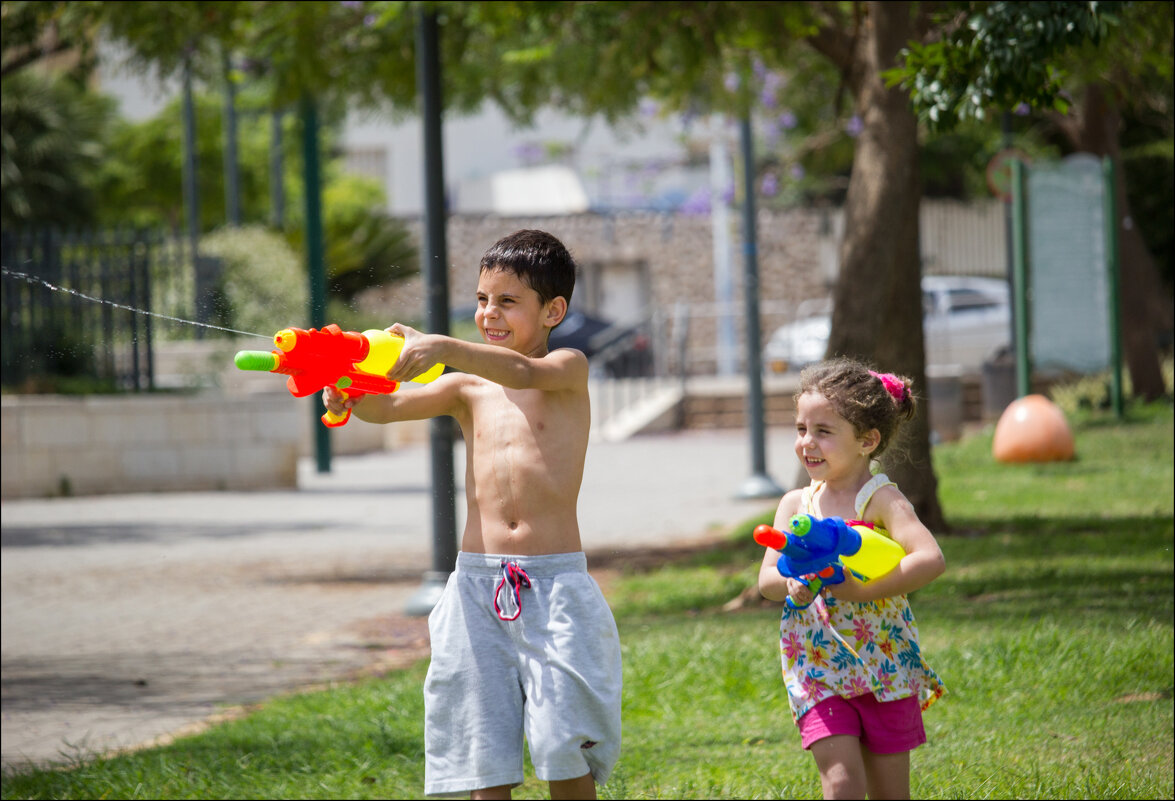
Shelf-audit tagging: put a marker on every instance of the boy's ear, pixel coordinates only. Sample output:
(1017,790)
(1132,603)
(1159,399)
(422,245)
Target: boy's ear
(556,311)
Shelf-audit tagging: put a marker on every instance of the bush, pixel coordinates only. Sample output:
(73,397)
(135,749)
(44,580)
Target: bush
(1092,392)
(262,285)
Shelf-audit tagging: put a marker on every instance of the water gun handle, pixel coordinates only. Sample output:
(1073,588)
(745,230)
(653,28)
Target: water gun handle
(833,574)
(791,551)
(332,420)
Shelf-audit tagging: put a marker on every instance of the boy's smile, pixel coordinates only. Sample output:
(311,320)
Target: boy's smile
(509,313)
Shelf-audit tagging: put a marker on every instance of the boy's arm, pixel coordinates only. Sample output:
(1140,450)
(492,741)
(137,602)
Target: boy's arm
(562,369)
(435,399)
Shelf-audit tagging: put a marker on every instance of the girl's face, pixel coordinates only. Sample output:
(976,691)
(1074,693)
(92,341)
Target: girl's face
(509,313)
(827,445)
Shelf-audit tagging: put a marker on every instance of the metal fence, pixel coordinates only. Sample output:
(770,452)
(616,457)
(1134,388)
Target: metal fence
(89,305)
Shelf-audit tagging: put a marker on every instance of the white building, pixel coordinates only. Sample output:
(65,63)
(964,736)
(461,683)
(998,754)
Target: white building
(560,165)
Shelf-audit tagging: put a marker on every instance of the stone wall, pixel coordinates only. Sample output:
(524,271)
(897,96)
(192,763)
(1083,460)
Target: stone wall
(57,445)
(675,251)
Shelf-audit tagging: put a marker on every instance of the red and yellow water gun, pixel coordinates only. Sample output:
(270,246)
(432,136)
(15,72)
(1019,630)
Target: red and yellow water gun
(356,363)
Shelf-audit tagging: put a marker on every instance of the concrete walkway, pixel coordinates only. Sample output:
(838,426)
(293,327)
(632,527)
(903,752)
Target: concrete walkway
(130,618)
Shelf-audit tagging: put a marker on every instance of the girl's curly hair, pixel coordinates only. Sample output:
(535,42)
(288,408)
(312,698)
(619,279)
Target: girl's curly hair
(865,398)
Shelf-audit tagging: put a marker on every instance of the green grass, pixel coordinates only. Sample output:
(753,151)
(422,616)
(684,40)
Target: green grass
(1052,629)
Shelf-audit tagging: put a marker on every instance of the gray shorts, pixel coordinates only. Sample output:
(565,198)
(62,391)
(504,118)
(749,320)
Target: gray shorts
(532,651)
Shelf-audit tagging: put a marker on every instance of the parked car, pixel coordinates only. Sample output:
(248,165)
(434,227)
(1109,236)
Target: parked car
(967,321)
(619,351)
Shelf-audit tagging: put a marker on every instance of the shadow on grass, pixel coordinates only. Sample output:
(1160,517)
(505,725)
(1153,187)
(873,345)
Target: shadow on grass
(1101,569)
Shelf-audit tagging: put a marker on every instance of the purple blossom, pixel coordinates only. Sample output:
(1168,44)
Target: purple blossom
(697,203)
(528,153)
(788,120)
(769,186)
(369,20)
(853,126)
(649,107)
(731,82)
(1022,110)
(797,171)
(351,4)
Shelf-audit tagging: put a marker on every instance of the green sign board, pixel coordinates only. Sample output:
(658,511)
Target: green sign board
(1068,283)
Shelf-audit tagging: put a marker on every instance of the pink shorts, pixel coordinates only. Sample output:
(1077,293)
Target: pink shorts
(884,728)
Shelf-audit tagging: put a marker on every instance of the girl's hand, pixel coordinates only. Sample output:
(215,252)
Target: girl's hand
(800,593)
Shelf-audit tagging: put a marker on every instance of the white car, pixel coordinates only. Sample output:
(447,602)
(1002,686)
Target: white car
(967,321)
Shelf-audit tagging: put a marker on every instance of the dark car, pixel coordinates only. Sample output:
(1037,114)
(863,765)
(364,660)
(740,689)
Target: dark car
(623,351)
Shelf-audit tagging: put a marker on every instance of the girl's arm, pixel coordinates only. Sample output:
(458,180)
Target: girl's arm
(772,584)
(562,369)
(922,564)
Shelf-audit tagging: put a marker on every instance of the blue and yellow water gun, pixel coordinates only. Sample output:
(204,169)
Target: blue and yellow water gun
(818,550)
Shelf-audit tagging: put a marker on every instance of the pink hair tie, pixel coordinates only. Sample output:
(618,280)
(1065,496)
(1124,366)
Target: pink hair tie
(893,385)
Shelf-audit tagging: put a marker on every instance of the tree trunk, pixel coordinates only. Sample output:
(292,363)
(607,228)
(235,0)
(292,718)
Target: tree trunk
(877,308)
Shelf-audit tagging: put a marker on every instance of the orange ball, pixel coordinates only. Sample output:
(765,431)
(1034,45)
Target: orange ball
(1032,429)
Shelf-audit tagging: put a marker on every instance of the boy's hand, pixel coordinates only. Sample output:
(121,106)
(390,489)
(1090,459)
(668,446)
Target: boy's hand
(419,354)
(335,401)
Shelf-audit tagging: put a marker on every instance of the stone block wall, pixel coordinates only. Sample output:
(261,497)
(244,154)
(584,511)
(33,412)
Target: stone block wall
(57,445)
(677,252)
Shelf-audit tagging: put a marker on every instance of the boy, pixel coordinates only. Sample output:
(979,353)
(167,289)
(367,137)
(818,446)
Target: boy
(522,639)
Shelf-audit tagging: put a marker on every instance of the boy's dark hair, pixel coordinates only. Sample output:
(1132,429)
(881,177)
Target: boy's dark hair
(538,259)
(861,396)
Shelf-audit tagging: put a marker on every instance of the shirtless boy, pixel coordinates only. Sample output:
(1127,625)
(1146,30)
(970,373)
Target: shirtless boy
(523,641)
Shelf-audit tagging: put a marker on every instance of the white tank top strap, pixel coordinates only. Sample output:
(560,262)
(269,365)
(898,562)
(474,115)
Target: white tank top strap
(866,493)
(808,498)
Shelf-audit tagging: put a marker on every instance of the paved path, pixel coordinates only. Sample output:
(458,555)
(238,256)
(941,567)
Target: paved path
(129,618)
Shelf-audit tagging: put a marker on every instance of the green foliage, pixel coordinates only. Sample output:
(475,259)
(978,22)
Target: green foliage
(262,285)
(142,182)
(1092,392)
(51,145)
(365,246)
(1004,54)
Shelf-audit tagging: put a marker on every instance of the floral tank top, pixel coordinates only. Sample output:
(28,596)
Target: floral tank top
(835,647)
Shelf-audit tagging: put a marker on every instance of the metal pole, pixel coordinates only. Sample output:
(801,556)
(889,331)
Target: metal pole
(1020,281)
(277,184)
(1110,206)
(232,192)
(315,261)
(720,231)
(758,484)
(192,199)
(1009,231)
(436,261)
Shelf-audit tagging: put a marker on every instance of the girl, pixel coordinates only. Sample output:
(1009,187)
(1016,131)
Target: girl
(856,679)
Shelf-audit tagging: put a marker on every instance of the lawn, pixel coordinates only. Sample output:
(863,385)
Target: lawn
(1052,628)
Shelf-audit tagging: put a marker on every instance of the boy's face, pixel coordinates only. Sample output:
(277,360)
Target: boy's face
(509,313)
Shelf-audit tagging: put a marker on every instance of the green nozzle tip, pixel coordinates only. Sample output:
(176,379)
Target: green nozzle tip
(800,524)
(262,360)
